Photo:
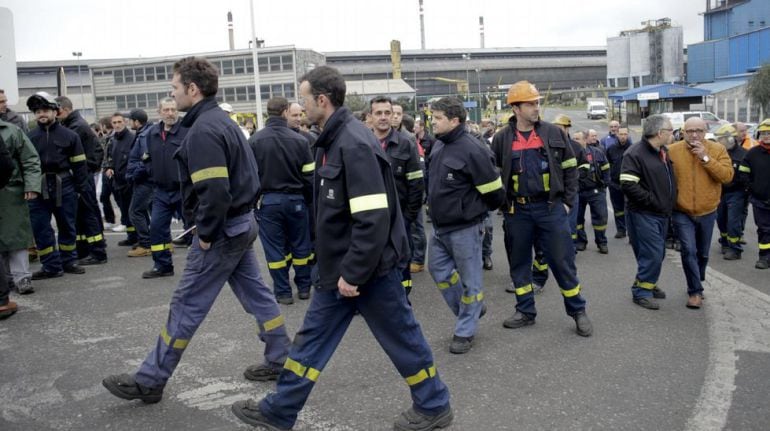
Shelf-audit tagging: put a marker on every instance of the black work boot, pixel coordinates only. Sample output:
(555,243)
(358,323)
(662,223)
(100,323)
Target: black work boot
(603,249)
(124,386)
(460,345)
(157,273)
(518,320)
(248,412)
(43,274)
(412,420)
(262,372)
(584,326)
(658,293)
(74,268)
(731,254)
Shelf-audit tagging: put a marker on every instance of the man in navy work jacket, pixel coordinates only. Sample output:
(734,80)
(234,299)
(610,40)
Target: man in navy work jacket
(361,243)
(219,185)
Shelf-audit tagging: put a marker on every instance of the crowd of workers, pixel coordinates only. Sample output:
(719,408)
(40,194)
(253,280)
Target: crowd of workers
(339,198)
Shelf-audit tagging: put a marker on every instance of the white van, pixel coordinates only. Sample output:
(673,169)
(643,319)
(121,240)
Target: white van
(596,110)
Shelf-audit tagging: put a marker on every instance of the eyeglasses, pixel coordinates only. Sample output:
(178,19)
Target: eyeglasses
(667,130)
(694,131)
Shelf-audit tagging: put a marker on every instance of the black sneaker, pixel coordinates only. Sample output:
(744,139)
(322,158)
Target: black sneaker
(412,420)
(580,246)
(157,273)
(90,260)
(731,254)
(303,295)
(43,274)
(285,300)
(620,234)
(262,372)
(460,345)
(74,268)
(487,263)
(127,243)
(583,323)
(648,303)
(603,249)
(518,320)
(248,412)
(124,386)
(658,293)
(762,264)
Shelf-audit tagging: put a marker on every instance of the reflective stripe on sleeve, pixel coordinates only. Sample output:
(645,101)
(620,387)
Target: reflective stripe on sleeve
(630,178)
(414,175)
(569,163)
(744,168)
(209,174)
(369,202)
(307,168)
(78,158)
(605,166)
(490,186)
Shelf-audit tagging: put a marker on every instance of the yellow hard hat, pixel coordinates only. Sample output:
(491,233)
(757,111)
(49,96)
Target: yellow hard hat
(562,120)
(522,91)
(726,131)
(764,126)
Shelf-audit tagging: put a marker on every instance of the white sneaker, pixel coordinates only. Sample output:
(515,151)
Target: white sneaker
(119,228)
(108,225)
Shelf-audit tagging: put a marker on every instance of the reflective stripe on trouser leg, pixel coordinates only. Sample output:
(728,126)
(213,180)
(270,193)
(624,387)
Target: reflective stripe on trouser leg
(298,237)
(519,232)
(274,242)
(89,224)
(735,220)
(559,253)
(66,216)
(539,265)
(164,205)
(618,208)
(598,204)
(455,265)
(582,237)
(762,219)
(647,234)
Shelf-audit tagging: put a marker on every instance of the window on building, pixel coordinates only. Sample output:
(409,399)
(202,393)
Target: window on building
(149,73)
(160,73)
(152,100)
(239,66)
(131,101)
(240,94)
(286,62)
(227,67)
(276,90)
(288,90)
(129,75)
(139,74)
(264,91)
(251,94)
(229,94)
(275,64)
(118,76)
(220,97)
(141,100)
(170,71)
(162,95)
(249,65)
(263,64)
(120,101)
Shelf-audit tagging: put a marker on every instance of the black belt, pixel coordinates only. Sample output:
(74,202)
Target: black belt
(530,199)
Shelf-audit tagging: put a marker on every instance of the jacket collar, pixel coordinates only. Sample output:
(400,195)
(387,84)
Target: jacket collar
(453,134)
(333,126)
(71,118)
(276,122)
(650,148)
(204,105)
(159,127)
(122,134)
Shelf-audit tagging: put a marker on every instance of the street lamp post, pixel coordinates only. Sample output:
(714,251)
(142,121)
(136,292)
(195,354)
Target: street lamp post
(478,82)
(77,55)
(257,87)
(467,58)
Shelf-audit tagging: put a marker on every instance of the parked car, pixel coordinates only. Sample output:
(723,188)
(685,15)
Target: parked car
(678,118)
(596,110)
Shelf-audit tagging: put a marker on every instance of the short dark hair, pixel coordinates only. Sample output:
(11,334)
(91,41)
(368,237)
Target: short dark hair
(200,71)
(276,106)
(452,107)
(408,123)
(394,103)
(64,102)
(117,114)
(326,80)
(380,99)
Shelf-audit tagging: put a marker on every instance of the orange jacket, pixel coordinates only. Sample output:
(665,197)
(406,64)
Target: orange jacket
(748,143)
(700,184)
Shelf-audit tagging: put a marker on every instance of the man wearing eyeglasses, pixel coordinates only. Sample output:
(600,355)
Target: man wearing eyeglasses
(700,168)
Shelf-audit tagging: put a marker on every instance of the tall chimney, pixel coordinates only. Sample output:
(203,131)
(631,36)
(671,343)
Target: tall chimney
(481,31)
(230,29)
(395,58)
(422,27)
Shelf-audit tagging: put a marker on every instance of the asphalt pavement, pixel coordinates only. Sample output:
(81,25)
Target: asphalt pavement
(672,369)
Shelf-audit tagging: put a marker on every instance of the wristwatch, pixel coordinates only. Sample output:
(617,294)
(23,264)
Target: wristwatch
(705,159)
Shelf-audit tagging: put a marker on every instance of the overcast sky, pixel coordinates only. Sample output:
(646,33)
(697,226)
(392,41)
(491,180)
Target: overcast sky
(53,29)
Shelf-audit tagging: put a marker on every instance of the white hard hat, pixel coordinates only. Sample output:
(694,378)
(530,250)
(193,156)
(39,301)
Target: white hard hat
(226,107)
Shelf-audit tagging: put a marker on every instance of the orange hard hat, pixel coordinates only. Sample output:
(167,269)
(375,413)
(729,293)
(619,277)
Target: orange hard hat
(522,91)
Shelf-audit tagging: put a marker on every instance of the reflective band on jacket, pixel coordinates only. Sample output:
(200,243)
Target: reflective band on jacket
(584,166)
(421,376)
(45,251)
(209,174)
(471,299)
(67,247)
(301,370)
(130,229)
(523,290)
(547,182)
(515,179)
(160,247)
(569,163)
(179,343)
(490,186)
(568,293)
(414,175)
(605,166)
(78,158)
(629,177)
(299,261)
(406,283)
(273,323)
(307,168)
(369,202)
(452,281)
(743,168)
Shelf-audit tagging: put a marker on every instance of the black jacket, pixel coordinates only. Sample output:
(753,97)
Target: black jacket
(360,232)
(647,182)
(405,162)
(159,158)
(309,136)
(738,184)
(465,184)
(116,157)
(60,151)
(615,157)
(562,163)
(283,158)
(217,169)
(89,140)
(755,170)
(594,173)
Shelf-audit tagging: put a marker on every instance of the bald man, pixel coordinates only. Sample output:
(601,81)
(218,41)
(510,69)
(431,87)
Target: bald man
(700,168)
